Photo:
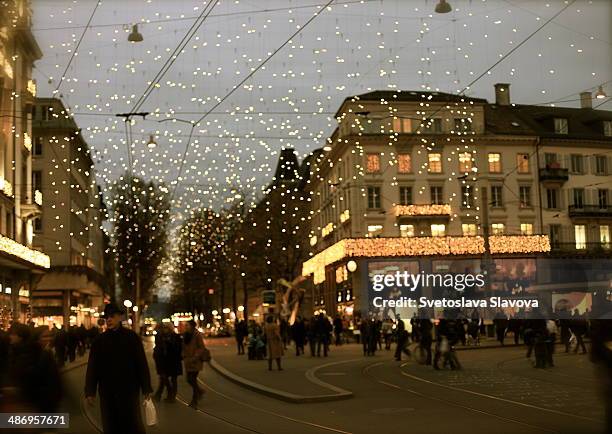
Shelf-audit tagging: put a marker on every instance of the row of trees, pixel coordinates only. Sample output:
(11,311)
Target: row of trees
(216,255)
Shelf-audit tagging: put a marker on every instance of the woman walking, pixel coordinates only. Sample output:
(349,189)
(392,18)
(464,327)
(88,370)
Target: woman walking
(193,359)
(275,342)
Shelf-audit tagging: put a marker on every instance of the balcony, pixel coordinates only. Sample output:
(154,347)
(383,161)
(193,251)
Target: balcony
(590,211)
(589,248)
(554,174)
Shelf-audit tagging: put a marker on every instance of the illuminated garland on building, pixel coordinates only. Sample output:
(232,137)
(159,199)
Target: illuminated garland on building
(422,210)
(12,247)
(420,246)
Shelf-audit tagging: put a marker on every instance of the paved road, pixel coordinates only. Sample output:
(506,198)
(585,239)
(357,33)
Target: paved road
(498,391)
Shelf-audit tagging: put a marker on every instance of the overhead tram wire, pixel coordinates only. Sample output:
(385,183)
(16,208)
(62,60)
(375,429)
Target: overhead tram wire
(175,54)
(428,118)
(76,48)
(238,86)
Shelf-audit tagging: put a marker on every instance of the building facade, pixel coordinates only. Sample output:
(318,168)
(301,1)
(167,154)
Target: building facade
(20,264)
(70,227)
(417,180)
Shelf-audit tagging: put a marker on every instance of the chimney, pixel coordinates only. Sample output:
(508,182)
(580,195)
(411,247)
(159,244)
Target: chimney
(502,94)
(586,100)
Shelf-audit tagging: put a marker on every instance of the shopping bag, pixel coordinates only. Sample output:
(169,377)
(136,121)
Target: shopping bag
(150,412)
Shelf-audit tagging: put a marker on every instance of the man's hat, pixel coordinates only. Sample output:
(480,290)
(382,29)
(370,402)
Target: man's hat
(111,309)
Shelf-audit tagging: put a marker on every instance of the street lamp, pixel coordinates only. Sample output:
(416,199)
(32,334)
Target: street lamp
(128,305)
(601,94)
(443,7)
(135,35)
(151,144)
(135,308)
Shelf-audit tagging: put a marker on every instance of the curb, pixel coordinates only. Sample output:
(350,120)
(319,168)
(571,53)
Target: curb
(286,396)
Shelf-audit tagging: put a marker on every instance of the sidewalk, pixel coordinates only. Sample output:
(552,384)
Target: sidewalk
(298,374)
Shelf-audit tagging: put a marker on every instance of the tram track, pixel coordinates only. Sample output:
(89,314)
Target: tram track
(430,397)
(272,413)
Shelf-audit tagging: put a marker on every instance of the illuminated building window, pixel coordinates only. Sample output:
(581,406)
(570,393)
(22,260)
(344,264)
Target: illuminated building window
(435,162)
(405,195)
(526,229)
(465,162)
(373,197)
(467,199)
(580,236)
(404,163)
(607,128)
(402,125)
(525,196)
(498,228)
(495,162)
(604,236)
(374,230)
(372,163)
(435,193)
(522,163)
(438,230)
(469,229)
(407,230)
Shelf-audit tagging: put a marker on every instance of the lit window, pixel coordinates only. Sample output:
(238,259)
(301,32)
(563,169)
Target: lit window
(435,162)
(604,236)
(374,230)
(404,163)
(438,230)
(498,228)
(522,163)
(607,128)
(465,162)
(407,230)
(580,236)
(495,162)
(373,163)
(469,229)
(526,229)
(561,126)
(402,125)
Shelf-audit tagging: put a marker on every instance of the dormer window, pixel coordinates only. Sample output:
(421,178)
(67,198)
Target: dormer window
(561,126)
(607,128)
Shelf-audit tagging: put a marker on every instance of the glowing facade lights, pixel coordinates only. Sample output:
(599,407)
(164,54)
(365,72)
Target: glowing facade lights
(35,257)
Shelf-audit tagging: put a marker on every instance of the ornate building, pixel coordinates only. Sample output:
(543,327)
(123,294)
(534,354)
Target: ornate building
(417,180)
(20,264)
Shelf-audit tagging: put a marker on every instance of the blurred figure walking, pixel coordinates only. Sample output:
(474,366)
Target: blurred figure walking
(117,369)
(194,353)
(167,357)
(274,342)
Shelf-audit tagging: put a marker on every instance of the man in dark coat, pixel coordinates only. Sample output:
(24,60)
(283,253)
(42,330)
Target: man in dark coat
(118,370)
(168,361)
